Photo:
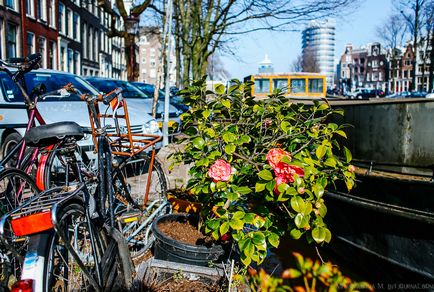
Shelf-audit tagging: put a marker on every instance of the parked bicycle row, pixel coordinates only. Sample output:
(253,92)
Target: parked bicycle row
(77,199)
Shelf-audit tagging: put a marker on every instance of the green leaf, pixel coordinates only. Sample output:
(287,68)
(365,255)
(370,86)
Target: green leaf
(307,208)
(220,89)
(229,137)
(323,106)
(232,196)
(348,156)
(213,224)
(245,139)
(210,132)
(224,228)
(330,162)
(273,239)
(226,103)
(265,174)
(328,235)
(230,148)
(236,224)
(321,151)
(258,238)
(198,142)
(319,234)
(295,233)
(244,190)
(258,222)
(206,113)
(322,210)
(285,126)
(245,260)
(297,203)
(301,220)
(249,248)
(215,234)
(318,190)
(238,215)
(248,218)
(259,187)
(342,133)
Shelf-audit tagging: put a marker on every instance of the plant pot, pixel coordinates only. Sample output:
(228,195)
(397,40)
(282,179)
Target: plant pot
(183,206)
(166,248)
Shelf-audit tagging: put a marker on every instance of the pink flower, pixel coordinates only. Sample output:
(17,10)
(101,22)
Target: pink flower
(351,168)
(220,171)
(288,171)
(275,155)
(279,180)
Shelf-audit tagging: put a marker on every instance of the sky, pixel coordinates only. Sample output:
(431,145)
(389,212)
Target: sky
(358,28)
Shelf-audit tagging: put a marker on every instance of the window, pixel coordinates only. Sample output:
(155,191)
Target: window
(75,27)
(153,73)
(62,59)
(51,54)
(315,85)
(11,42)
(281,84)
(1,33)
(51,14)
(43,51)
(29,7)
(61,17)
(76,63)
(374,63)
(30,43)
(70,61)
(10,4)
(67,24)
(12,92)
(152,52)
(262,86)
(41,9)
(84,38)
(298,85)
(405,74)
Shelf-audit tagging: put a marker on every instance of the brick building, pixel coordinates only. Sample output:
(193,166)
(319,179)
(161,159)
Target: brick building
(10,29)
(365,67)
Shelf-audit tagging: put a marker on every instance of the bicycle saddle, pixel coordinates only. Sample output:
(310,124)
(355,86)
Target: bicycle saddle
(45,135)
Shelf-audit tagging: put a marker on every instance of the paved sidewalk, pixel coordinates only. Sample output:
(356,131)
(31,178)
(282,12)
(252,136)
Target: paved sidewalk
(179,175)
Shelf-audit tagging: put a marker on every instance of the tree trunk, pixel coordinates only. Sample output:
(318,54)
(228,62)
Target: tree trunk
(431,65)
(130,54)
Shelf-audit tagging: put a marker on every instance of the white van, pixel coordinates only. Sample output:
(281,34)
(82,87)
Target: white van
(13,115)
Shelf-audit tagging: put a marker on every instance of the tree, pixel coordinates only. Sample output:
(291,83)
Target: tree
(117,30)
(297,64)
(392,33)
(310,61)
(412,11)
(201,27)
(216,69)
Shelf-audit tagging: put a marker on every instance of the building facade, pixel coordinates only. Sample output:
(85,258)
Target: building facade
(150,50)
(365,67)
(71,35)
(318,41)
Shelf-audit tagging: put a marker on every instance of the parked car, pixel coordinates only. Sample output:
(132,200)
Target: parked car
(135,97)
(361,93)
(408,94)
(56,108)
(175,100)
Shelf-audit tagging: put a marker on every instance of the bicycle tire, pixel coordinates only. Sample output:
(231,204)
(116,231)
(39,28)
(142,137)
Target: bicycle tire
(130,211)
(13,249)
(61,270)
(55,168)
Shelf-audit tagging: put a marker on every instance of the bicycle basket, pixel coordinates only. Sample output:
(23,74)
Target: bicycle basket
(124,140)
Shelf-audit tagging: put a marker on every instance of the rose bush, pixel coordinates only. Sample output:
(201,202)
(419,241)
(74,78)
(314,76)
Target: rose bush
(260,167)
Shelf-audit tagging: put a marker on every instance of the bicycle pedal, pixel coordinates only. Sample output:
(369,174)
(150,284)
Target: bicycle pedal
(129,217)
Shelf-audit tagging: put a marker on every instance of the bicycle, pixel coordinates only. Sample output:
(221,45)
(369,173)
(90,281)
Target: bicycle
(74,240)
(138,177)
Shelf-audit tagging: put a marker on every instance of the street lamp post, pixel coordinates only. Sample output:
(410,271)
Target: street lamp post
(132,27)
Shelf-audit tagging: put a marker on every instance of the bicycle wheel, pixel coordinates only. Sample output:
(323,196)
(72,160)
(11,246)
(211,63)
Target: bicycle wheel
(15,188)
(133,217)
(136,174)
(57,171)
(90,242)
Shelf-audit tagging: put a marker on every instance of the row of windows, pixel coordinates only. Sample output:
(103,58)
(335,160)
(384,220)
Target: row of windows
(69,22)
(297,85)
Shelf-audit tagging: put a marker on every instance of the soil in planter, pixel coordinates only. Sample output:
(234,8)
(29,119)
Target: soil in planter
(184,232)
(184,285)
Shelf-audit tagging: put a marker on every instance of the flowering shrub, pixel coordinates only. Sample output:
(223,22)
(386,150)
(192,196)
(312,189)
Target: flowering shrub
(260,167)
